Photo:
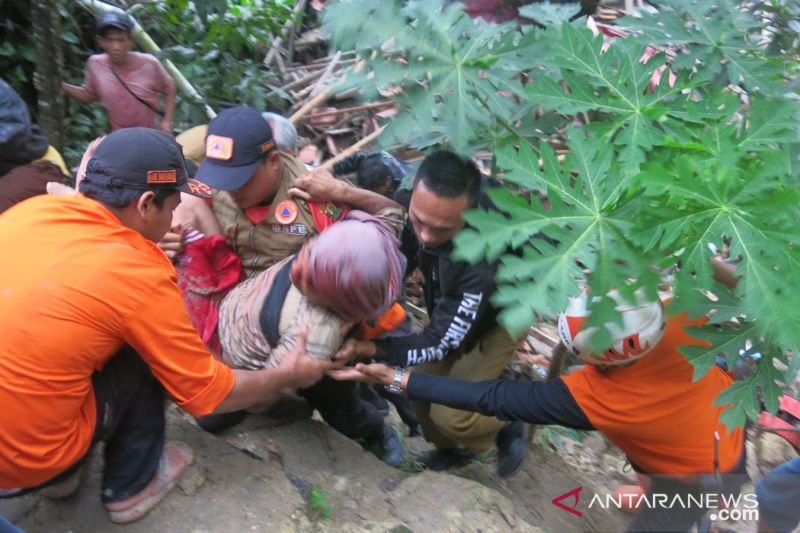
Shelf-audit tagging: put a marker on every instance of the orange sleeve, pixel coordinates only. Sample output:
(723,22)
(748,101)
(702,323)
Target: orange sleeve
(162,333)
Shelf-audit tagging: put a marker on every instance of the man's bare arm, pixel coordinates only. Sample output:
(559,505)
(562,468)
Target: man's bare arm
(297,370)
(321,186)
(169,104)
(78,92)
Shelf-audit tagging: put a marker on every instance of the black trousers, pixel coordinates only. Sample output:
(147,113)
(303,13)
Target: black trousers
(341,406)
(378,396)
(130,420)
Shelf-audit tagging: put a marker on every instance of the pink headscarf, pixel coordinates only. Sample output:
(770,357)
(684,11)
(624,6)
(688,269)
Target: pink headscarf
(355,267)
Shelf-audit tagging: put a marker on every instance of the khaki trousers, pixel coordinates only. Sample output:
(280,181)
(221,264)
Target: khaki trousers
(450,428)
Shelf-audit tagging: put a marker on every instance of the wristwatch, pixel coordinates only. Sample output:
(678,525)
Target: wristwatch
(394,386)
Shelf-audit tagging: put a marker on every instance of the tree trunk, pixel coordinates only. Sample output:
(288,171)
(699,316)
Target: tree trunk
(50,69)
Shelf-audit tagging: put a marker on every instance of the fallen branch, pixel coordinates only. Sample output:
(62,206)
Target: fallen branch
(302,81)
(325,75)
(287,27)
(309,105)
(362,107)
(344,54)
(328,165)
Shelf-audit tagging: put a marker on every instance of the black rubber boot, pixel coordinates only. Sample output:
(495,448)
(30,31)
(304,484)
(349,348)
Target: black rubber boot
(512,447)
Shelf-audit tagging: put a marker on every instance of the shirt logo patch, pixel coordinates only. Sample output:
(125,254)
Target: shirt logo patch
(294,229)
(333,211)
(218,147)
(286,212)
(162,176)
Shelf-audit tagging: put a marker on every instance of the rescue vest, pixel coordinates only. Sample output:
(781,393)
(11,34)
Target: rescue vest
(289,223)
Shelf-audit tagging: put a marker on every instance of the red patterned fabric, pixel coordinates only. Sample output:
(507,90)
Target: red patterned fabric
(207,270)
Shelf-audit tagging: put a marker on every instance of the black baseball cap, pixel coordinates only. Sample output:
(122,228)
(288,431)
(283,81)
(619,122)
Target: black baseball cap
(237,139)
(142,159)
(118,21)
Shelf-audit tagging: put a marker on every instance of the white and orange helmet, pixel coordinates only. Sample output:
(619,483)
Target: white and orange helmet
(642,328)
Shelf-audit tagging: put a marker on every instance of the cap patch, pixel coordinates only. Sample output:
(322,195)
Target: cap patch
(267,146)
(218,147)
(198,187)
(286,212)
(155,177)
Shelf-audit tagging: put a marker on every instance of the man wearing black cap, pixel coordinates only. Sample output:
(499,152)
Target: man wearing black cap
(129,84)
(94,330)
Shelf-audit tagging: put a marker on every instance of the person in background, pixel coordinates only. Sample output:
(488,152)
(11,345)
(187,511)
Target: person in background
(131,85)
(27,162)
(378,172)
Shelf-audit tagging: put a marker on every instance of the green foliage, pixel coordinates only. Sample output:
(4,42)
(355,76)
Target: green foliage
(321,508)
(655,177)
(745,397)
(451,67)
(18,63)
(219,47)
(717,38)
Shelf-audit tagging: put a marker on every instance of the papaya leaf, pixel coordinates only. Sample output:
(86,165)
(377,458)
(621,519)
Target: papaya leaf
(714,39)
(743,398)
(613,82)
(550,14)
(722,339)
(461,69)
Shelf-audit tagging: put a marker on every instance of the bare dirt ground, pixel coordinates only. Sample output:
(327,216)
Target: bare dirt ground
(268,474)
(286,472)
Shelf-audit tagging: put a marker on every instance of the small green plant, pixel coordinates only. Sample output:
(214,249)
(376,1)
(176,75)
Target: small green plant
(321,508)
(552,436)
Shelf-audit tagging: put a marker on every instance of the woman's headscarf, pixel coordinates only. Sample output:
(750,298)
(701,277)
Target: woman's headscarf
(355,267)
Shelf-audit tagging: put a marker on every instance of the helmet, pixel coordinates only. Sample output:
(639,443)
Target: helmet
(642,328)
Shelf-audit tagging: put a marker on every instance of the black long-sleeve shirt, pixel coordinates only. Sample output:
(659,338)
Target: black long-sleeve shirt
(457,298)
(537,402)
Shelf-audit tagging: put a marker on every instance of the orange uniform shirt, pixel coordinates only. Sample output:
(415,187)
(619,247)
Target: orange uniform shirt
(654,412)
(75,284)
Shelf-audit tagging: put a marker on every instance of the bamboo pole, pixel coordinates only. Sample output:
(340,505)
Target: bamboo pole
(362,107)
(327,165)
(287,27)
(311,104)
(50,69)
(148,45)
(320,84)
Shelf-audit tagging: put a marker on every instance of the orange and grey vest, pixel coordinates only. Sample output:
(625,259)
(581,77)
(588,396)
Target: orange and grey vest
(262,245)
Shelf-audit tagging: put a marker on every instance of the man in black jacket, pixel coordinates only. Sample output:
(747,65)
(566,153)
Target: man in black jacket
(463,338)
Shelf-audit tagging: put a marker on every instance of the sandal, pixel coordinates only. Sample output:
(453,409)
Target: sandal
(174,460)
